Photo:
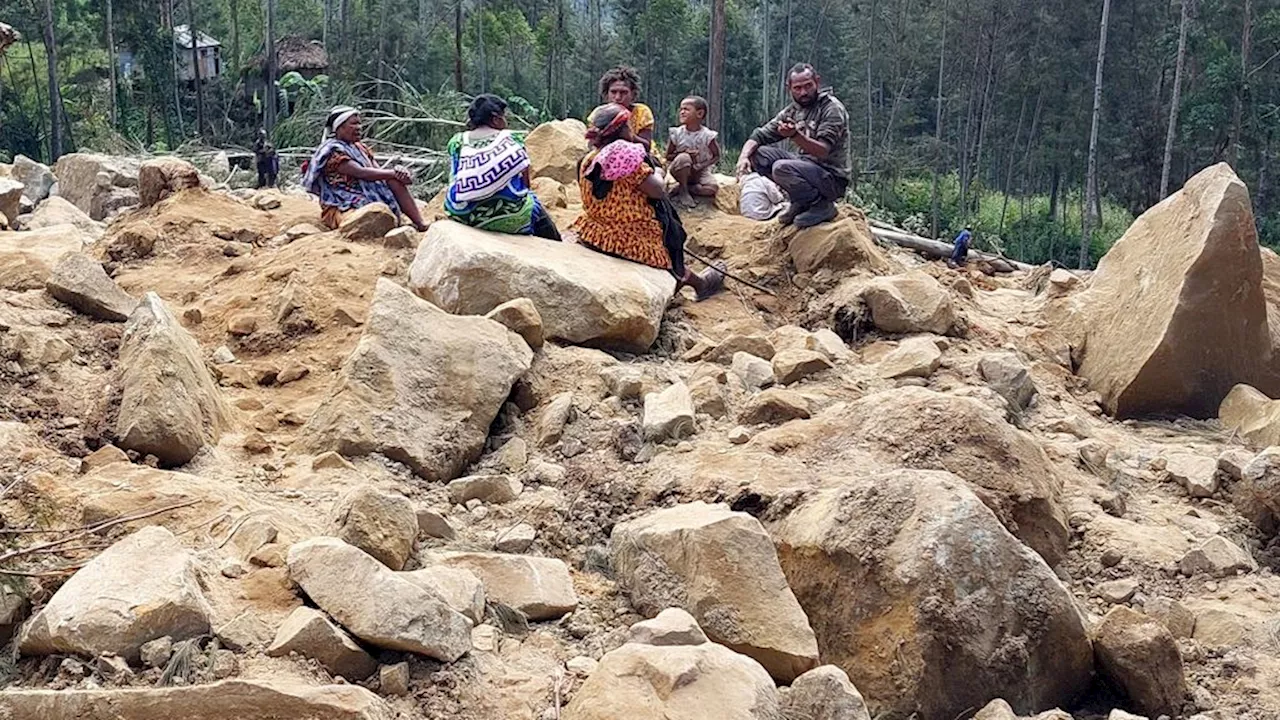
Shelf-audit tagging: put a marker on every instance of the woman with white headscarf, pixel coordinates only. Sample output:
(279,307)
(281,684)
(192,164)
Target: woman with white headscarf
(344,175)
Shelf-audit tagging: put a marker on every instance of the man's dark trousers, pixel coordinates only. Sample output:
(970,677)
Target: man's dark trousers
(805,181)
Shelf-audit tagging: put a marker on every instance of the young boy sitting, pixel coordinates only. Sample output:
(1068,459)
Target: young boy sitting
(692,151)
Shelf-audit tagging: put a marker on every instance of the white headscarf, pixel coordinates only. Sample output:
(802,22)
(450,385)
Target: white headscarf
(337,116)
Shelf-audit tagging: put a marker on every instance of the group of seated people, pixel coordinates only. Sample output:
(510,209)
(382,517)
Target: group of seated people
(627,211)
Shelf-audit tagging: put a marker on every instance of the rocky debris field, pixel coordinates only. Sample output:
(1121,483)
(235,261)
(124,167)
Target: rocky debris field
(256,470)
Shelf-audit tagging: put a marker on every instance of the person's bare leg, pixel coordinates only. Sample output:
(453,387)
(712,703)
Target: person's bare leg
(408,205)
(681,169)
(704,189)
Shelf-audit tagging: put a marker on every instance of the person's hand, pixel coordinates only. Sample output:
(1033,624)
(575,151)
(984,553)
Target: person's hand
(787,129)
(743,167)
(403,175)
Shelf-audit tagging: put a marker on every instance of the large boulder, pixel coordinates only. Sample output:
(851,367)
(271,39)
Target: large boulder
(229,700)
(556,149)
(721,567)
(842,245)
(911,582)
(584,297)
(141,588)
(824,693)
(95,183)
(37,179)
(682,682)
(170,406)
(908,426)
(382,524)
(913,302)
(57,210)
(539,587)
(1253,415)
(161,177)
(375,604)
(1139,654)
(421,387)
(1175,314)
(79,281)
(27,258)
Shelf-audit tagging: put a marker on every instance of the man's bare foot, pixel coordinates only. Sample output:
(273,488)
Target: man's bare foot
(685,200)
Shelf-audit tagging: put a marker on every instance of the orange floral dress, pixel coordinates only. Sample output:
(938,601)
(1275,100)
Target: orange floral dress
(623,223)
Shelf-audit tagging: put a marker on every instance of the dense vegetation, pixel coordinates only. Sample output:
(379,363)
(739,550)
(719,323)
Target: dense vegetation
(1011,81)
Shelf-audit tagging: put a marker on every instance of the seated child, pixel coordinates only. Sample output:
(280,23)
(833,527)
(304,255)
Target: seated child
(692,151)
(760,198)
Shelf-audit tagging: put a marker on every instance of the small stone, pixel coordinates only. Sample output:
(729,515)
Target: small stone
(225,664)
(672,626)
(490,489)
(103,456)
(485,638)
(1111,558)
(1197,473)
(791,366)
(434,525)
(331,461)
(310,633)
(156,654)
(383,524)
(521,317)
(552,420)
(1180,621)
(223,356)
(1116,592)
(394,679)
(1232,461)
(236,249)
(669,414)
(256,444)
(915,357)
(513,455)
(233,569)
(516,539)
(545,473)
(623,381)
(708,397)
(757,345)
(582,666)
(1113,504)
(192,316)
(401,238)
(1218,558)
(754,372)
(243,324)
(271,555)
(774,406)
(739,435)
(113,667)
(292,373)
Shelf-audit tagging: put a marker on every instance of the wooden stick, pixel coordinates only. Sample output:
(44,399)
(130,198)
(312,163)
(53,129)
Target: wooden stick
(36,549)
(728,274)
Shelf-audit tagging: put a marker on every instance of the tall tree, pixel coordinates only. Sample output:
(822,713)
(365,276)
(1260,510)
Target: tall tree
(457,48)
(937,123)
(1246,40)
(55,91)
(270,51)
(111,64)
(715,67)
(1176,100)
(197,71)
(1090,211)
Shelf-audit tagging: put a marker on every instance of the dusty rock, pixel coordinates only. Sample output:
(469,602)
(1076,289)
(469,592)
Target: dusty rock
(36,178)
(914,357)
(721,567)
(550,192)
(774,406)
(538,587)
(371,222)
(647,682)
(309,633)
(161,177)
(59,211)
(401,238)
(1152,340)
(555,150)
(421,387)
(89,180)
(1253,415)
(582,666)
(831,345)
(754,372)
(583,297)
(869,562)
(380,523)
(434,525)
(460,589)
(672,626)
(521,317)
(624,382)
(794,365)
(243,324)
(103,456)
(910,303)
(228,700)
(11,194)
(292,373)
(113,667)
(516,539)
(376,604)
(1258,492)
(709,397)
(739,435)
(490,489)
(841,245)
(331,461)
(1008,375)
(1233,461)
(997,709)
(1217,557)
(1197,473)
(27,258)
(156,654)
(1180,621)
(1119,591)
(513,456)
(1139,654)
(553,418)
(141,588)
(170,406)
(824,693)
(727,350)
(669,414)
(394,679)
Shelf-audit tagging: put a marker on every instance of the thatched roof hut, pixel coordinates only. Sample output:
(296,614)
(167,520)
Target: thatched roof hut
(295,53)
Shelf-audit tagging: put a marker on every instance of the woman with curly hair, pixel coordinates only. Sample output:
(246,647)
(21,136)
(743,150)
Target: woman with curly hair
(621,86)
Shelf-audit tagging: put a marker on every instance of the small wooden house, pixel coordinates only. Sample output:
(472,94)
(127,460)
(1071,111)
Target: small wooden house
(207,49)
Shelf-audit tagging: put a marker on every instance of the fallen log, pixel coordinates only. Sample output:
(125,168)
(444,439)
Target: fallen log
(938,250)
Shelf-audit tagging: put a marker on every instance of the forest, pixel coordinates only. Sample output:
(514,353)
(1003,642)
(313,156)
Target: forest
(1045,125)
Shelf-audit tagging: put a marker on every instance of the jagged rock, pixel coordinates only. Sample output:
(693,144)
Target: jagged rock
(538,587)
(170,406)
(309,633)
(685,682)
(624,382)
(555,150)
(871,563)
(708,397)
(1253,415)
(421,387)
(228,700)
(161,177)
(837,246)
(1233,461)
(433,524)
(27,258)
(728,349)
(11,193)
(721,567)
(1157,334)
(1008,375)
(36,178)
(156,653)
(401,238)
(669,414)
(371,222)
(551,193)
(1180,621)
(1257,495)
(103,456)
(824,693)
(554,417)
(1197,473)
(374,603)
(1119,591)
(88,180)
(460,589)
(380,523)
(513,456)
(910,303)
(906,426)
(583,297)
(488,489)
(14,608)
(394,679)
(774,406)
(830,344)
(997,709)
(794,365)
(791,337)
(142,588)
(521,317)
(516,539)
(1217,557)
(754,372)
(1140,655)
(79,281)
(914,357)
(672,626)
(59,211)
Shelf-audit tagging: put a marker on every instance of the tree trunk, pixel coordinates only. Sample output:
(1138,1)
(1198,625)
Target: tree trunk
(170,6)
(484,70)
(195,62)
(55,92)
(457,49)
(234,7)
(715,67)
(381,71)
(871,25)
(766,103)
(1246,36)
(111,64)
(786,53)
(1013,157)
(35,82)
(1091,179)
(272,97)
(937,139)
(1177,98)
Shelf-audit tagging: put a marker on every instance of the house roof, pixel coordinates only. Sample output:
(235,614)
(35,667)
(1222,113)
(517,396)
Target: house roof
(182,36)
(294,53)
